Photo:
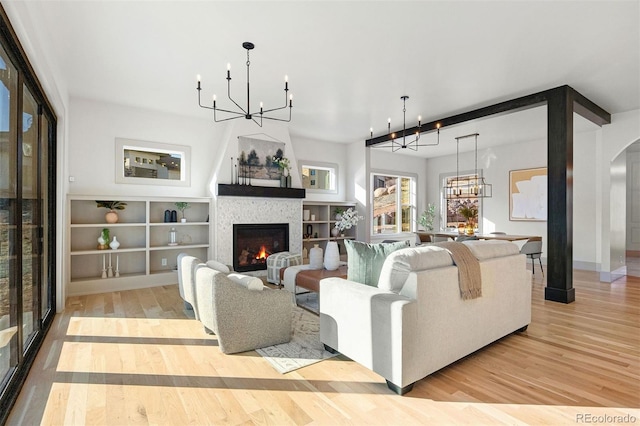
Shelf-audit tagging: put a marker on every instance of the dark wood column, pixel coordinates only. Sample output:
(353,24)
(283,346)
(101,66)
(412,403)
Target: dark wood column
(560,196)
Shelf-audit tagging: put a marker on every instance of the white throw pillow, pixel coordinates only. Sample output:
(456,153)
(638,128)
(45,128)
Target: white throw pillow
(214,264)
(252,283)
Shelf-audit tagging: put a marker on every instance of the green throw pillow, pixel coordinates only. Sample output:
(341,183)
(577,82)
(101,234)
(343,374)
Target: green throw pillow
(364,260)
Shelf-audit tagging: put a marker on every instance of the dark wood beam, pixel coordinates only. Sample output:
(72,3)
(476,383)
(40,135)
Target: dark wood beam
(589,110)
(513,105)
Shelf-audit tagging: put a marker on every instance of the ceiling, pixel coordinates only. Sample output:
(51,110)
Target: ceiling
(348,63)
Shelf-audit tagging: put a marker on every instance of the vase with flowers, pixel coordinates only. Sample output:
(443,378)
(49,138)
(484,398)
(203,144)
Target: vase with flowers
(285,166)
(470,213)
(348,219)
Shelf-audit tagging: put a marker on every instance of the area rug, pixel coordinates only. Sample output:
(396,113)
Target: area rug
(304,348)
(308,300)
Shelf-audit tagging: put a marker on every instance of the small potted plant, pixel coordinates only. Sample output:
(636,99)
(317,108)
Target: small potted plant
(338,212)
(285,166)
(103,239)
(182,206)
(427,217)
(111,216)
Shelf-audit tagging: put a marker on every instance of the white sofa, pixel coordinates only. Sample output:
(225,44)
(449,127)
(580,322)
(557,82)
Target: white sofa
(424,325)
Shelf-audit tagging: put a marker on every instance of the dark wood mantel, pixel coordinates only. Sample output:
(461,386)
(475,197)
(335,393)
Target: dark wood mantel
(260,191)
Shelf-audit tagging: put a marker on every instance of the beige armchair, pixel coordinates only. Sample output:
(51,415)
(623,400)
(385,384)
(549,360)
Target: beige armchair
(186,280)
(243,319)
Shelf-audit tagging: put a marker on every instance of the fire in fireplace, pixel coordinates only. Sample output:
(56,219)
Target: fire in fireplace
(254,243)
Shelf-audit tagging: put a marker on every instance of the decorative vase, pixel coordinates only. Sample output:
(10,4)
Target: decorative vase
(183,220)
(114,244)
(283,181)
(469,228)
(461,228)
(111,216)
(288,181)
(306,214)
(332,256)
(315,257)
(173,237)
(335,232)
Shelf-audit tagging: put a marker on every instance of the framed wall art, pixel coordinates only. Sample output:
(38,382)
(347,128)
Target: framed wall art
(528,194)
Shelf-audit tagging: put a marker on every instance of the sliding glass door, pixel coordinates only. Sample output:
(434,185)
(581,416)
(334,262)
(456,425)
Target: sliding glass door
(27,216)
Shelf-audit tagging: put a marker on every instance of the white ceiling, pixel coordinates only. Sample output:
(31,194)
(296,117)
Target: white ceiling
(349,62)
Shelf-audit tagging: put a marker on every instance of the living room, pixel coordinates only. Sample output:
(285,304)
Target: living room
(89,123)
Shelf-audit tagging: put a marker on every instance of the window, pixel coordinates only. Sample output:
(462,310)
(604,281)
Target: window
(393,201)
(463,207)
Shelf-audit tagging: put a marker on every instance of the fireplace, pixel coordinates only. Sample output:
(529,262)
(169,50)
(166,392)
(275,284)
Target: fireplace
(253,243)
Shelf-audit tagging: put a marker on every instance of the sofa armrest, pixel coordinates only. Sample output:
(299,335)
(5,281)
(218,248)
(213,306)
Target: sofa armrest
(367,324)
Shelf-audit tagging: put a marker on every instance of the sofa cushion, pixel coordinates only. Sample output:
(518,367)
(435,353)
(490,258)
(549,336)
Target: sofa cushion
(483,250)
(364,260)
(399,264)
(252,283)
(214,264)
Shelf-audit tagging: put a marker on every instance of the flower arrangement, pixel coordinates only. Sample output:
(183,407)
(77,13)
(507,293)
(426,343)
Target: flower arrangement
(350,218)
(283,163)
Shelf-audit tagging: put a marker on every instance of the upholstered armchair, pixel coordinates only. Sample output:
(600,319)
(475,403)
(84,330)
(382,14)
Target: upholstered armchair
(243,318)
(186,280)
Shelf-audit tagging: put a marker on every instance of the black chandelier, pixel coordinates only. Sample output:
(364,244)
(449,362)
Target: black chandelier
(412,144)
(246,113)
(467,186)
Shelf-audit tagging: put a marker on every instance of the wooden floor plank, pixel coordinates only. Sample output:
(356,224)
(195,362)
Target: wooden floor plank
(135,357)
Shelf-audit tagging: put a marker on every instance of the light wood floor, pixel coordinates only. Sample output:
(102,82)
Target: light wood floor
(134,358)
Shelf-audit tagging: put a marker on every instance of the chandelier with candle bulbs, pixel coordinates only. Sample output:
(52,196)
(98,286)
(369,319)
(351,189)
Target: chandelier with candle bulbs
(399,141)
(258,114)
(467,186)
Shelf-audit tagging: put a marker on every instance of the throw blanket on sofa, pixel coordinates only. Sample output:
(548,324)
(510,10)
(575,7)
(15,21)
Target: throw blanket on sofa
(468,269)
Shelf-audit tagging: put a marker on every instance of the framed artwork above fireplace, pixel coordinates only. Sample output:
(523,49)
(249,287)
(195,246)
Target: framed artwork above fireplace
(255,158)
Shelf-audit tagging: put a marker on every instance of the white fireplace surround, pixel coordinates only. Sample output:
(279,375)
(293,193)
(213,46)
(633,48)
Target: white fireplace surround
(250,210)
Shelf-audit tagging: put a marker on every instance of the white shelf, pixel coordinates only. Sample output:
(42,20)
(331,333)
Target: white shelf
(322,225)
(144,257)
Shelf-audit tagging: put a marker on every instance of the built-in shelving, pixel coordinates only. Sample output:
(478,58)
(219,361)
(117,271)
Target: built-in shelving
(144,258)
(322,219)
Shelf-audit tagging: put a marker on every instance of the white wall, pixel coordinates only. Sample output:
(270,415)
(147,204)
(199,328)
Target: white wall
(497,161)
(615,138)
(92,154)
(585,194)
(357,184)
(324,152)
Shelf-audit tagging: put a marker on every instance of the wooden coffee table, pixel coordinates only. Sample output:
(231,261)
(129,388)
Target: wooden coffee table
(309,279)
